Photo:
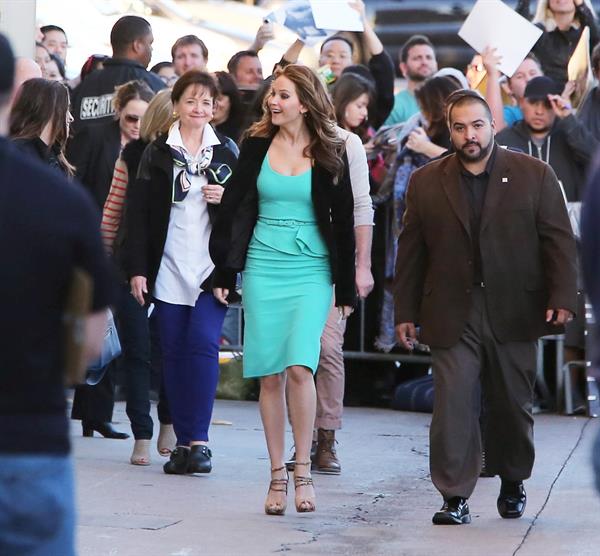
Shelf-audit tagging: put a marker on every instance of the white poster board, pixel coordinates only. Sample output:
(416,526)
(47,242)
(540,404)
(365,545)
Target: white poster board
(336,14)
(493,23)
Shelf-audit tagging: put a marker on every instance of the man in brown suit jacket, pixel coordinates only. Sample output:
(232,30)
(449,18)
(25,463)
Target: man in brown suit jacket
(485,266)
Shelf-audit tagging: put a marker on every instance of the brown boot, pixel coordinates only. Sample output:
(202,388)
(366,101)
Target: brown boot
(327,461)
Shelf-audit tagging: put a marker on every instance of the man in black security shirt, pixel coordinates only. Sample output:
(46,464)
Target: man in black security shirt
(131,40)
(48,227)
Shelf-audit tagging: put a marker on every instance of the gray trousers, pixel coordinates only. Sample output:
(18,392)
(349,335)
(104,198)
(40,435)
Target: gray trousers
(505,375)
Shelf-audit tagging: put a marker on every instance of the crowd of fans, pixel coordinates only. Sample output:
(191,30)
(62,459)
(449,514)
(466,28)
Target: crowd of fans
(95,127)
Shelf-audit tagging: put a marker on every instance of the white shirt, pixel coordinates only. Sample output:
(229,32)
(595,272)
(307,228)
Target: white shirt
(186,263)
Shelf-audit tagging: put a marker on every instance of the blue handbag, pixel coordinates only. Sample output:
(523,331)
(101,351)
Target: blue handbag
(111,349)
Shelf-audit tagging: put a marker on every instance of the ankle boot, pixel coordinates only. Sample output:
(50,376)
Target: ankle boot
(327,461)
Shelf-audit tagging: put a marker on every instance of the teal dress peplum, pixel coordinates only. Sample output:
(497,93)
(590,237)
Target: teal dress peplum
(287,286)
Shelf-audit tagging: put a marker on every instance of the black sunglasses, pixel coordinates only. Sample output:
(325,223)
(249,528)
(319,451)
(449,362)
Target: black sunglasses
(132,118)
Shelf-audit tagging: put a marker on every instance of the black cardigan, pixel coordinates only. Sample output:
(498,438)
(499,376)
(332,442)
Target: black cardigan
(148,204)
(334,210)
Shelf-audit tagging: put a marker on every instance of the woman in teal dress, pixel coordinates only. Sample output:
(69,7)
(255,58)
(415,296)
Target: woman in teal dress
(287,223)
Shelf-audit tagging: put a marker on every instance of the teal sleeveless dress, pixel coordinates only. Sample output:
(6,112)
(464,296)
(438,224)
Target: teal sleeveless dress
(286,288)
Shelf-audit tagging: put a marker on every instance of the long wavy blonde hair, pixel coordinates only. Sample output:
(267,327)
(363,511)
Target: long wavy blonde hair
(325,147)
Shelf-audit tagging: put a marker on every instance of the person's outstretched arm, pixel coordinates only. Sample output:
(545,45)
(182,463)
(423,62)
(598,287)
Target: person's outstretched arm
(493,93)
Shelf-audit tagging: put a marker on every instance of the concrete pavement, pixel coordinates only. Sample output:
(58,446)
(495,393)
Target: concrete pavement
(381,504)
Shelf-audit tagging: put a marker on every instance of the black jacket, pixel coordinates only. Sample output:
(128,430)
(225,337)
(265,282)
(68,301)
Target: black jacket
(94,152)
(148,203)
(334,210)
(36,148)
(554,48)
(568,149)
(92,99)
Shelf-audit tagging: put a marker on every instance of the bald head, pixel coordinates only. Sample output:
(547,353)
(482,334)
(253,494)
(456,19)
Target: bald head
(25,68)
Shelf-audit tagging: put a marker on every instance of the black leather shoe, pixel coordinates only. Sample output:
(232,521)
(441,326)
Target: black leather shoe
(199,459)
(178,461)
(105,429)
(512,500)
(454,512)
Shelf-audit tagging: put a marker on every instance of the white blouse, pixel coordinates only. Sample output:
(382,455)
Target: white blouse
(186,262)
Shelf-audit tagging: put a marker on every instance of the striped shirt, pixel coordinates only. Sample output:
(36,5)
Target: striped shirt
(113,207)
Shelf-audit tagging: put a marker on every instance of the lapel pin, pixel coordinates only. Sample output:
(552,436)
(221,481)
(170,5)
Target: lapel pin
(504,180)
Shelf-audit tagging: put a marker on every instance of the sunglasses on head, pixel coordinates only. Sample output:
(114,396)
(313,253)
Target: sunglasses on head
(132,118)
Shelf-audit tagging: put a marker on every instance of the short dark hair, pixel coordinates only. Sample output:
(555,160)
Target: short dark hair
(194,77)
(338,38)
(186,40)
(48,28)
(415,40)
(234,61)
(127,29)
(465,96)
(157,67)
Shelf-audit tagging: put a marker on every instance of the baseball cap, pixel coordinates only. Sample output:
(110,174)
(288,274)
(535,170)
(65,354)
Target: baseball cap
(7,65)
(540,87)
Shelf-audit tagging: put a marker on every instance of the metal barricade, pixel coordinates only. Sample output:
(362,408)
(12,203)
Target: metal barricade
(360,354)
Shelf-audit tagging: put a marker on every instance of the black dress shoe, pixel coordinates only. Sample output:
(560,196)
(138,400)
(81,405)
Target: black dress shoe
(454,512)
(512,500)
(178,461)
(199,459)
(105,429)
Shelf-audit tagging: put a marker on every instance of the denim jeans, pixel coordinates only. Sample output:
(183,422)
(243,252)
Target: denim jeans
(134,333)
(37,508)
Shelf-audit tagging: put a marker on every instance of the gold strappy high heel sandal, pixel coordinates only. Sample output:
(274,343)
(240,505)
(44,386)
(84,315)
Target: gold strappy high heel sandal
(277,485)
(305,504)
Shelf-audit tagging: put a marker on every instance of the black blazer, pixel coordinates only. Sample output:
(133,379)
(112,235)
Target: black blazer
(334,210)
(93,151)
(148,203)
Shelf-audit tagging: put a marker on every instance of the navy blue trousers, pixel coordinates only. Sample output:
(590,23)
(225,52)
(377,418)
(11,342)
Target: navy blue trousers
(189,338)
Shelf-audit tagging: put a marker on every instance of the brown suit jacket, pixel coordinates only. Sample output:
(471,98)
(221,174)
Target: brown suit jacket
(527,249)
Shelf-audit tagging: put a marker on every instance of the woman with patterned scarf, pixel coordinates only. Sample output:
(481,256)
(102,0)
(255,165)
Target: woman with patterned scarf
(170,210)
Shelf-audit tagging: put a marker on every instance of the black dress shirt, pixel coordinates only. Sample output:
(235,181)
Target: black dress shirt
(475,187)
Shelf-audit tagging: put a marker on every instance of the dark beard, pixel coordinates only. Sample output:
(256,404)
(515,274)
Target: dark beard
(417,77)
(483,152)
